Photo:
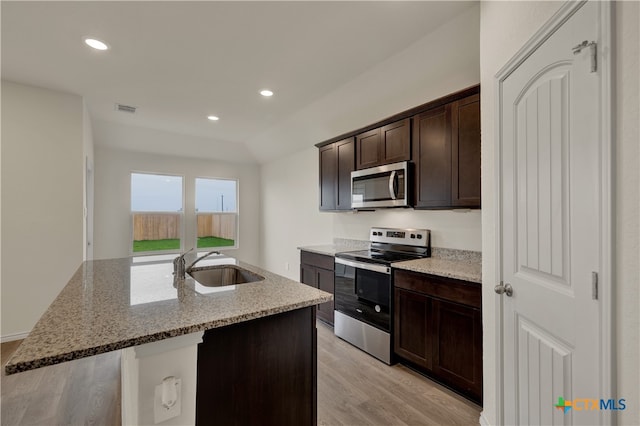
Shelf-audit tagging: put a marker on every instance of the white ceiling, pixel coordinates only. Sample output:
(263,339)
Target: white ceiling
(181,61)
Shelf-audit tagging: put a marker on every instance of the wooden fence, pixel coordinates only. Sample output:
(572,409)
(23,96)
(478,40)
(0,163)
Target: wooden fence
(156,226)
(222,225)
(163,226)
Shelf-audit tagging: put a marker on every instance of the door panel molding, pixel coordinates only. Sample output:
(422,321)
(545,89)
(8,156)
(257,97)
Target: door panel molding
(542,349)
(565,12)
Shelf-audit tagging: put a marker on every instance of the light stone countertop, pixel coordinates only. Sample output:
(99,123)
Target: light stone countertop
(115,303)
(328,249)
(466,270)
(451,263)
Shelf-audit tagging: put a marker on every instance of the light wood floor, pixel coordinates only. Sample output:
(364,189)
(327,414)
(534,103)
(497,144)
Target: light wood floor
(81,392)
(353,389)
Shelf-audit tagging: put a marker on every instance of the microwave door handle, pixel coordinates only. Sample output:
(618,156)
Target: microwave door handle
(392,186)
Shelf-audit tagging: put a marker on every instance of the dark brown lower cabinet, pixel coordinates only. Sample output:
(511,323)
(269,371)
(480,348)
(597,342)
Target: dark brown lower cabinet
(259,372)
(457,350)
(316,270)
(413,342)
(438,329)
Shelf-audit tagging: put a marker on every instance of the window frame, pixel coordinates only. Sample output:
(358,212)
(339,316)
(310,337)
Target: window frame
(181,212)
(236,240)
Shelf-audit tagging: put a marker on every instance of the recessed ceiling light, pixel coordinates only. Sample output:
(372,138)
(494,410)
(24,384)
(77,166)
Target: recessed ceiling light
(96,44)
(213,118)
(266,93)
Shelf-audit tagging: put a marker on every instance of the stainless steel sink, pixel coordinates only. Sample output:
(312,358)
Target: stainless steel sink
(222,275)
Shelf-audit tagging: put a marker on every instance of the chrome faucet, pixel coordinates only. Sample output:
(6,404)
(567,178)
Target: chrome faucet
(178,265)
(204,256)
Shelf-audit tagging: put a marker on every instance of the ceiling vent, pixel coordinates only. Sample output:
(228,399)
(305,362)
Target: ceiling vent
(126,108)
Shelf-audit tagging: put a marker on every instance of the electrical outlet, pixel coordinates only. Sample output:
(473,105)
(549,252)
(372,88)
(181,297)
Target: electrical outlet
(162,413)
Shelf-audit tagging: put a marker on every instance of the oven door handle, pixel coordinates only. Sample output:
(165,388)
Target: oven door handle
(362,265)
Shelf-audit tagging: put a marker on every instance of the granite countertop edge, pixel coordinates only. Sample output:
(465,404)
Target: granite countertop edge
(19,362)
(327,249)
(470,271)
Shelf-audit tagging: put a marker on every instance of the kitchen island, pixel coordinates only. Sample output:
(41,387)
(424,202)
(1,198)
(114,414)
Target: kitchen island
(138,306)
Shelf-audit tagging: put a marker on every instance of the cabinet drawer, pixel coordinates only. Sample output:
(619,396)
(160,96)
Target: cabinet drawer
(318,260)
(450,289)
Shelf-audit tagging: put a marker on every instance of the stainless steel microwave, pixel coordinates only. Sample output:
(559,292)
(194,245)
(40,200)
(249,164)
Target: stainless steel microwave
(382,186)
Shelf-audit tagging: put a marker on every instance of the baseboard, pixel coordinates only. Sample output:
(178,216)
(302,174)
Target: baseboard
(14,336)
(483,420)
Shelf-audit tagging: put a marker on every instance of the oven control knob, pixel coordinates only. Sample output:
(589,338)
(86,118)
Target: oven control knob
(378,308)
(413,235)
(419,236)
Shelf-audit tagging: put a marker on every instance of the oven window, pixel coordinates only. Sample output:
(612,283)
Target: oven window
(363,295)
(372,287)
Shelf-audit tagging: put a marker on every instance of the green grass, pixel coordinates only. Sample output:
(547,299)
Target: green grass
(153,245)
(214,242)
(174,244)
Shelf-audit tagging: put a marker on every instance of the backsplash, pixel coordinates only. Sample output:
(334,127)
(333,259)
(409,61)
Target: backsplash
(354,244)
(454,254)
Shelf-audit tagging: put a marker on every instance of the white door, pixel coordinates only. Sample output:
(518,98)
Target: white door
(551,236)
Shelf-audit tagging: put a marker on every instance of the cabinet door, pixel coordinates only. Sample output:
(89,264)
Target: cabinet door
(346,161)
(328,177)
(457,346)
(325,281)
(308,275)
(412,333)
(396,141)
(368,149)
(465,152)
(432,157)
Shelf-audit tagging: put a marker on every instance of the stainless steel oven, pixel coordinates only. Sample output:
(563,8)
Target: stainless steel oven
(363,305)
(363,301)
(382,186)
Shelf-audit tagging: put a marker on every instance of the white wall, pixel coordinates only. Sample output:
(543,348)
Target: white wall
(627,209)
(290,216)
(87,184)
(42,200)
(505,27)
(113,167)
(440,63)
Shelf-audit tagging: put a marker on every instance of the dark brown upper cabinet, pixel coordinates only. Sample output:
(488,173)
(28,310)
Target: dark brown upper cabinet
(384,145)
(446,153)
(336,164)
(368,149)
(432,158)
(441,138)
(465,152)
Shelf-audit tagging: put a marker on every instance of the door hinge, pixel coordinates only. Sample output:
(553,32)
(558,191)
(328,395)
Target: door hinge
(593,52)
(594,285)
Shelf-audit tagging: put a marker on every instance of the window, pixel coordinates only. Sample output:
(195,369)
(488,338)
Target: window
(156,212)
(217,212)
